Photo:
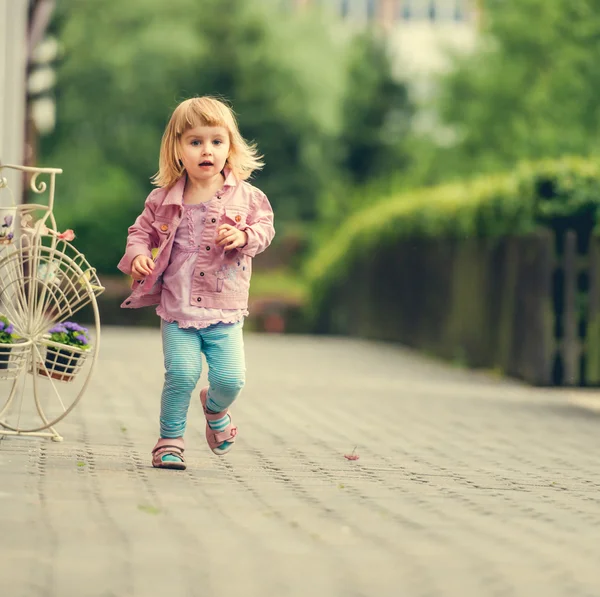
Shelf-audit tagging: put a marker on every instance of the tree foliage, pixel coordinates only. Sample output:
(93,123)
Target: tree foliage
(377,112)
(317,112)
(530,88)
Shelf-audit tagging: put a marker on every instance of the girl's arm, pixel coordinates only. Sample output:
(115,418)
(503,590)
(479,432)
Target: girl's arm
(259,227)
(142,237)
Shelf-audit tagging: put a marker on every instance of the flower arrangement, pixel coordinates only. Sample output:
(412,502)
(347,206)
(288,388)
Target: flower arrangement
(7,331)
(68,346)
(7,336)
(71,334)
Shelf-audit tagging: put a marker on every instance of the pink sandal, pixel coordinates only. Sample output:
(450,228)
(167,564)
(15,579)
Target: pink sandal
(169,447)
(215,438)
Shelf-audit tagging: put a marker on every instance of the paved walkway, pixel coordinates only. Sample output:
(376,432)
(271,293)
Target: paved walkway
(466,485)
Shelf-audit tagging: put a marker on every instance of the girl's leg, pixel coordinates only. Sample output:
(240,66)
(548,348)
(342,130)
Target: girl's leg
(183,366)
(223,345)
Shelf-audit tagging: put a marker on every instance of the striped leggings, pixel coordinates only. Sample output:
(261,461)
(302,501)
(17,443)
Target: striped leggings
(223,347)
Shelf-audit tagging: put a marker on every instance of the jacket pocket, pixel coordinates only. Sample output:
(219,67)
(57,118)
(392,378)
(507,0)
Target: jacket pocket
(235,216)
(162,228)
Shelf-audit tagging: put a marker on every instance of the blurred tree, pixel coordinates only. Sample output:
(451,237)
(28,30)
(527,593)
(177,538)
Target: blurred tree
(375,143)
(530,89)
(377,113)
(324,109)
(126,65)
(288,109)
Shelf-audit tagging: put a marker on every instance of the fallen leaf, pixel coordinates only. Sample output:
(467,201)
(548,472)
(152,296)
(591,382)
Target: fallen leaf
(353,456)
(148,509)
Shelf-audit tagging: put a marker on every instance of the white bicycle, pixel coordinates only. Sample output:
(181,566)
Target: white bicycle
(44,281)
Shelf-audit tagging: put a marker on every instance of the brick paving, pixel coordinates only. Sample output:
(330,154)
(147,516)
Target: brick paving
(466,485)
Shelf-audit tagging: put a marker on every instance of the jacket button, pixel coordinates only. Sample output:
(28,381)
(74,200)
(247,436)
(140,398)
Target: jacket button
(199,299)
(208,248)
(238,218)
(164,227)
(213,220)
(201,273)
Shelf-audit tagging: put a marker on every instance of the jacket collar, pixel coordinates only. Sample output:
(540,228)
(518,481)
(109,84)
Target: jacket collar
(175,193)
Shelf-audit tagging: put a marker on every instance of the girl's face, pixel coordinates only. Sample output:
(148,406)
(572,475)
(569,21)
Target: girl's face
(204,151)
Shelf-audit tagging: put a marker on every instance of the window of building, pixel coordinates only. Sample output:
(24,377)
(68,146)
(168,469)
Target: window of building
(404,10)
(359,11)
(445,10)
(345,9)
(420,9)
(432,10)
(460,11)
(371,10)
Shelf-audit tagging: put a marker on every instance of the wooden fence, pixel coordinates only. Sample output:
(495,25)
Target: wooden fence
(526,306)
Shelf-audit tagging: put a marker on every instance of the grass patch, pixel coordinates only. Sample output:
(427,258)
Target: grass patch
(148,509)
(281,283)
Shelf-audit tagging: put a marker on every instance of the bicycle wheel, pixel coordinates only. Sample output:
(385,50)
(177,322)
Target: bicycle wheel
(44,282)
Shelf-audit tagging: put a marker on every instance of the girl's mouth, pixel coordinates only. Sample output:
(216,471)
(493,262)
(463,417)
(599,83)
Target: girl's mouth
(205,164)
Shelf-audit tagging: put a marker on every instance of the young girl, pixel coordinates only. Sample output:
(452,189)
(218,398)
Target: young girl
(206,224)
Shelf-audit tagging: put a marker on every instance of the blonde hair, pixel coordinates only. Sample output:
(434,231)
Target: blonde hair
(243,157)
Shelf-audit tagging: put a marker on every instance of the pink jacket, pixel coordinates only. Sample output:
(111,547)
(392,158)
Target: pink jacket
(221,280)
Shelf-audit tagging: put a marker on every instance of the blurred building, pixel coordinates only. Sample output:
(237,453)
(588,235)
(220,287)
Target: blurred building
(13,65)
(420,32)
(23,24)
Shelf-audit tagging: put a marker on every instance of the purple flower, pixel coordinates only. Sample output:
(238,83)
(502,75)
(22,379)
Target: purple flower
(10,329)
(1,326)
(70,333)
(74,327)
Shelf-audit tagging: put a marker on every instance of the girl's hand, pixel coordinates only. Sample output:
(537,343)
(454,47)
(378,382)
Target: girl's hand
(141,267)
(230,237)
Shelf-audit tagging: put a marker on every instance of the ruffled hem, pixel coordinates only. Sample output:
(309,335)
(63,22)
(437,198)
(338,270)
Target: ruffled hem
(203,324)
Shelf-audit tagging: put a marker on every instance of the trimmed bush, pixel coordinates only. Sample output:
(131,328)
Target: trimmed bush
(500,272)
(552,193)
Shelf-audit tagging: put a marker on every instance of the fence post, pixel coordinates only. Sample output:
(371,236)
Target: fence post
(592,337)
(570,346)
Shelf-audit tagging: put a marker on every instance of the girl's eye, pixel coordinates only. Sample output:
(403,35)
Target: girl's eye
(217,142)
(195,143)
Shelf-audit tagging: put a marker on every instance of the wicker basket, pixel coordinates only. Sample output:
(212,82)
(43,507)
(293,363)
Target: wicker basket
(62,362)
(13,357)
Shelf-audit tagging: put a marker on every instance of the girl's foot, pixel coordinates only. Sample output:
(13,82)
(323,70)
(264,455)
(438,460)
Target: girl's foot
(168,453)
(220,431)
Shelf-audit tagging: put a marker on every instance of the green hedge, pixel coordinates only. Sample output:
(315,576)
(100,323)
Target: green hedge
(550,193)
